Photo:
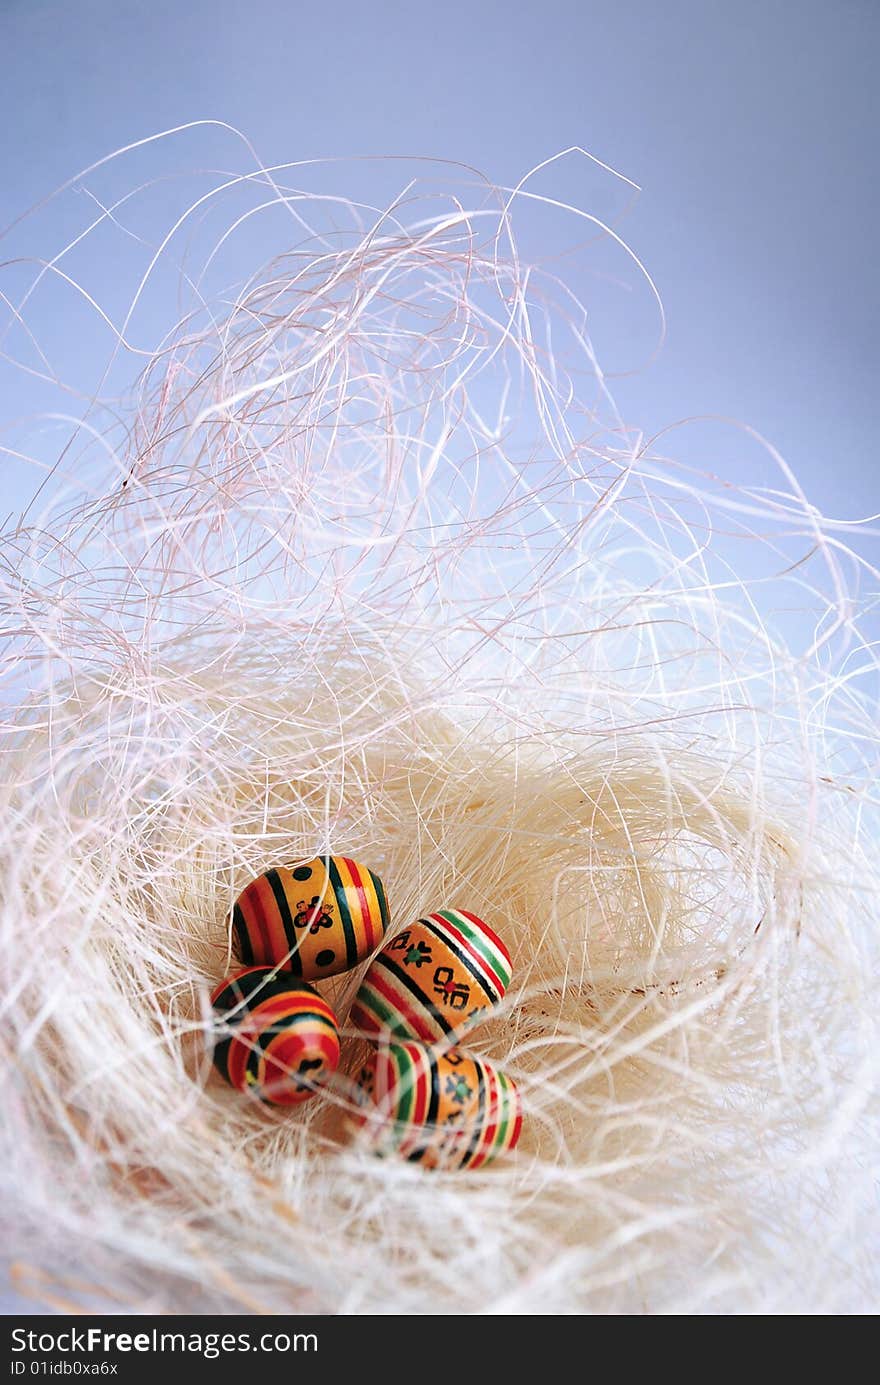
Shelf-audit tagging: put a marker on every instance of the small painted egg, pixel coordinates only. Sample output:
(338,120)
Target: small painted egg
(441,1108)
(313,920)
(279,1038)
(433,979)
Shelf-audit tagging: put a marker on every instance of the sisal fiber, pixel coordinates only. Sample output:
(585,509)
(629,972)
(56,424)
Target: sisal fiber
(368,563)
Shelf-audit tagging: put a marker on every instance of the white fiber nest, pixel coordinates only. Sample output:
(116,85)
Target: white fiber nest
(370,566)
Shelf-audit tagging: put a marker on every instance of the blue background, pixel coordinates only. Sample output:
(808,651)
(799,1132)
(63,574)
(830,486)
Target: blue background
(751,127)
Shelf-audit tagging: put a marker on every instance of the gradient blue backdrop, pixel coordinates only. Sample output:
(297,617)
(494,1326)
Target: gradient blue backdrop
(752,127)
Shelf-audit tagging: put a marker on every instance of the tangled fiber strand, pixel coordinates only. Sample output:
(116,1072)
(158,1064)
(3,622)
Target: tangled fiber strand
(367,572)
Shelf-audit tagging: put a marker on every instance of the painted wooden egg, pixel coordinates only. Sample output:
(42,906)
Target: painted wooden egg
(313,920)
(433,979)
(441,1108)
(279,1039)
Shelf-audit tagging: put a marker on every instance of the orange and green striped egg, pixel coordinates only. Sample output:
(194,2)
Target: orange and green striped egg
(278,1039)
(441,1108)
(433,979)
(314,920)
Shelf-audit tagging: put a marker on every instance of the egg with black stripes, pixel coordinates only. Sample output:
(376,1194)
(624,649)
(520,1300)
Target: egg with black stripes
(434,979)
(314,920)
(442,1108)
(276,1038)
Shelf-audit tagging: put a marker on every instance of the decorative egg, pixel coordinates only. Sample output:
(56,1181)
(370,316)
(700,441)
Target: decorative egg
(433,979)
(313,920)
(279,1038)
(441,1108)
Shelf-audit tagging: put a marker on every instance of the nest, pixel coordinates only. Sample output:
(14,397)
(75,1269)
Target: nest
(368,565)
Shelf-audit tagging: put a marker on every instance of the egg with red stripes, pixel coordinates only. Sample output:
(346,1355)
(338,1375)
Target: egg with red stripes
(276,1037)
(433,979)
(442,1108)
(314,920)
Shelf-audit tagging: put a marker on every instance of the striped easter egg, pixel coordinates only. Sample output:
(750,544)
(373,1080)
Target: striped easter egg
(442,1108)
(278,1039)
(433,979)
(313,920)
